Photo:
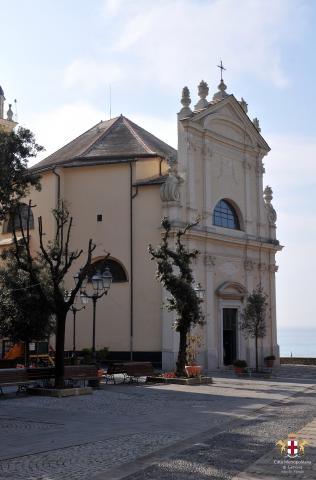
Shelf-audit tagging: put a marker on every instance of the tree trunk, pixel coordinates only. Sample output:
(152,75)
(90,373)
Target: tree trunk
(257,362)
(60,346)
(182,355)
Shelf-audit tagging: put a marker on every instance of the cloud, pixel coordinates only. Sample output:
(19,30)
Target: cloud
(54,128)
(176,41)
(112,7)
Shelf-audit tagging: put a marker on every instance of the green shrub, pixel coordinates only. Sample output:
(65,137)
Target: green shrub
(240,363)
(101,355)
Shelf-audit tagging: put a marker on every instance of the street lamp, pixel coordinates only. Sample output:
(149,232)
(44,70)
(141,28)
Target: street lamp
(101,284)
(200,291)
(74,309)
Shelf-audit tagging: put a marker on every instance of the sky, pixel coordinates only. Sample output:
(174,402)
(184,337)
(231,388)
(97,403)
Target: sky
(60,59)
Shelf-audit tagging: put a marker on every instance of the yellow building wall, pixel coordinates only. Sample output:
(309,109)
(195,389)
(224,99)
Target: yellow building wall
(105,190)
(147,290)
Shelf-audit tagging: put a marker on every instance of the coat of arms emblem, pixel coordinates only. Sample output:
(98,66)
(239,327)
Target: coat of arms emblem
(292,446)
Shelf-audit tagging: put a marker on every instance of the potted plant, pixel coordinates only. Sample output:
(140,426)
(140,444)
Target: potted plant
(239,366)
(194,343)
(269,361)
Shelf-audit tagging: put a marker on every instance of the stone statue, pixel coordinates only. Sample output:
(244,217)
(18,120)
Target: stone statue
(268,196)
(169,190)
(255,121)
(244,105)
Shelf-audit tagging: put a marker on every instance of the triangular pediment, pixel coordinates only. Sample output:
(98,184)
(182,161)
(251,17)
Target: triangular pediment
(227,119)
(231,291)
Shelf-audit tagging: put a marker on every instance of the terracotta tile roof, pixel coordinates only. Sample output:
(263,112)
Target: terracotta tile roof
(116,138)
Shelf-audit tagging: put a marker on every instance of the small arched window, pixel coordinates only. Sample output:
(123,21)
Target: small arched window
(116,269)
(21,216)
(225,215)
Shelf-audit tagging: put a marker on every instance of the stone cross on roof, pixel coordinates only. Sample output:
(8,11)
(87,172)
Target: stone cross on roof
(221,66)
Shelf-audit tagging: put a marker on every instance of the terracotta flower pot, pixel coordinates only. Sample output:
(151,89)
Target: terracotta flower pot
(269,363)
(193,370)
(239,370)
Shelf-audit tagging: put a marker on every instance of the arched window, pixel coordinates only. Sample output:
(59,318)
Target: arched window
(225,215)
(118,272)
(19,217)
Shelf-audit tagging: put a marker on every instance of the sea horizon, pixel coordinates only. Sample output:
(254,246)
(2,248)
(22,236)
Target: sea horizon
(297,341)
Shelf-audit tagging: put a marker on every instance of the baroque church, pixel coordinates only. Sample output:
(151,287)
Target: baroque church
(118,181)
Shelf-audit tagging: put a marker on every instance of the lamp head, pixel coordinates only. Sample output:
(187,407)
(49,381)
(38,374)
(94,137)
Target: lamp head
(97,282)
(107,278)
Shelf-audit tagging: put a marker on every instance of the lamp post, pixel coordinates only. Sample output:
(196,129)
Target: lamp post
(74,309)
(101,283)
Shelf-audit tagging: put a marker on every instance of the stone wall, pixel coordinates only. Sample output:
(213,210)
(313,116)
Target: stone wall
(297,361)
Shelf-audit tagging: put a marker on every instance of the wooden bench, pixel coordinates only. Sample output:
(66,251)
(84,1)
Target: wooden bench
(131,371)
(75,373)
(23,377)
(14,377)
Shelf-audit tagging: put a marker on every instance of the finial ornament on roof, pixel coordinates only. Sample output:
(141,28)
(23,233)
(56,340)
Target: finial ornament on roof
(221,94)
(185,100)
(203,93)
(255,121)
(244,105)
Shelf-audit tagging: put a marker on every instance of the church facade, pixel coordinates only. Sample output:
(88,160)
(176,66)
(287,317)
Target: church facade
(118,181)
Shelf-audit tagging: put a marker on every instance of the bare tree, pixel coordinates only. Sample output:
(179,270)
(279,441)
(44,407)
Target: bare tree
(55,257)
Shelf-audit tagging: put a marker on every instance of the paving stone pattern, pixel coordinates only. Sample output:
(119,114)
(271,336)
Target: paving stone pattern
(13,424)
(223,456)
(82,461)
(231,424)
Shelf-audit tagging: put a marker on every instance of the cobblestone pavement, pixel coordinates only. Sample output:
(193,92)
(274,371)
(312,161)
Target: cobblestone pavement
(82,461)
(128,431)
(234,449)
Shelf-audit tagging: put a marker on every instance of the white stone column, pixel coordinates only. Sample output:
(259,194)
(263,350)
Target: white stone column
(210,314)
(247,193)
(275,347)
(207,207)
(190,182)
(261,220)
